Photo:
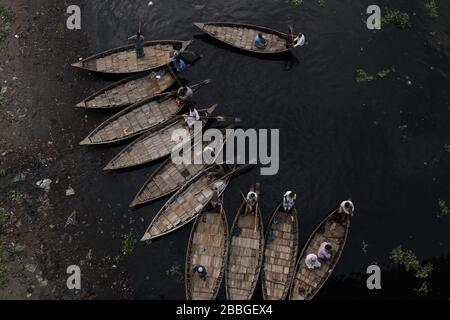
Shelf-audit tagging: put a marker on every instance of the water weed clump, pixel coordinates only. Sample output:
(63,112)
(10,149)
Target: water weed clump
(296,2)
(363,76)
(3,100)
(128,243)
(433,10)
(6,17)
(384,73)
(409,261)
(322,3)
(401,19)
(175,271)
(443,209)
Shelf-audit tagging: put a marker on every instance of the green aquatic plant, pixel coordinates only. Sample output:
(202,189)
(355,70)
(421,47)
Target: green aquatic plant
(3,271)
(424,288)
(3,100)
(15,196)
(2,172)
(322,3)
(433,10)
(384,73)
(443,209)
(408,259)
(296,2)
(6,16)
(364,247)
(401,19)
(363,76)
(175,271)
(128,243)
(447,148)
(403,127)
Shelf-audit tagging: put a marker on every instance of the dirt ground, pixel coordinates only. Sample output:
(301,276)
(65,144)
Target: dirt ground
(39,235)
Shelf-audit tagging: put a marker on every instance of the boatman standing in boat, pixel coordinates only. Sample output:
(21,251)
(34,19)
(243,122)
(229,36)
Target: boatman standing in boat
(176,62)
(201,270)
(184,95)
(139,41)
(192,117)
(252,198)
(295,40)
(289,200)
(346,209)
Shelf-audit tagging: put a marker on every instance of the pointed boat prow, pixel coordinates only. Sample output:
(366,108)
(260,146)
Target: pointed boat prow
(146,237)
(85,142)
(199,25)
(211,109)
(78,64)
(82,104)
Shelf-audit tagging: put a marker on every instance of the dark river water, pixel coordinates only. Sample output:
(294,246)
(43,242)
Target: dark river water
(381,143)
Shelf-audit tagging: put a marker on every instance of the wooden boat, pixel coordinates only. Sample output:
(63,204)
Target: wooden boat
(155,144)
(170,176)
(242,36)
(245,253)
(334,230)
(188,202)
(208,247)
(280,254)
(123,60)
(138,118)
(130,90)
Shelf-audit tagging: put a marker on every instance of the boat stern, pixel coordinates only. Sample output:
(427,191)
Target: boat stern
(147,237)
(82,104)
(85,142)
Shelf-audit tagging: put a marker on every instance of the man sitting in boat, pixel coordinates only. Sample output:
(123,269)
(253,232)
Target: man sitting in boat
(289,200)
(192,117)
(139,41)
(201,270)
(312,262)
(325,251)
(295,40)
(176,62)
(252,198)
(184,95)
(260,41)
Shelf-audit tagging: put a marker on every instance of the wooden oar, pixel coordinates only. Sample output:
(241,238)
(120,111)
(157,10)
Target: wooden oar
(256,216)
(223,119)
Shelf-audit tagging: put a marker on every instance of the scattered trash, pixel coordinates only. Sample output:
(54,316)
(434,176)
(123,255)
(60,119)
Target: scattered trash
(20,177)
(44,184)
(30,267)
(70,192)
(150,3)
(72,220)
(4,90)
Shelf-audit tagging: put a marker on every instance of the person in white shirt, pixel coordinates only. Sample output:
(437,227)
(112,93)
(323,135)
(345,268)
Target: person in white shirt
(347,207)
(289,200)
(252,198)
(192,117)
(312,262)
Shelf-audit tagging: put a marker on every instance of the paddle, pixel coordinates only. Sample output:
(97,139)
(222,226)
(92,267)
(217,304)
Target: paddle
(223,119)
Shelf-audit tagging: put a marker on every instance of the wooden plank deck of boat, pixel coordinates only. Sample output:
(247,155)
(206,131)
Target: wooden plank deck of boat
(186,204)
(123,60)
(242,36)
(245,253)
(334,230)
(130,90)
(153,145)
(280,254)
(208,246)
(137,118)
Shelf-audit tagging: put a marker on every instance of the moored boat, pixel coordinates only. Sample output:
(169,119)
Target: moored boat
(131,90)
(280,254)
(123,60)
(242,36)
(188,202)
(246,250)
(207,248)
(333,230)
